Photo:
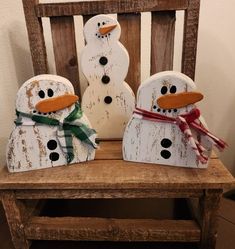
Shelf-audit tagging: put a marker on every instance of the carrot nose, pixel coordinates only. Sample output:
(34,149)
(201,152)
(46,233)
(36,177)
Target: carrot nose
(56,103)
(106,29)
(178,100)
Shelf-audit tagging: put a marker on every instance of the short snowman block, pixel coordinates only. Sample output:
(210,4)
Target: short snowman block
(166,127)
(108,101)
(50,129)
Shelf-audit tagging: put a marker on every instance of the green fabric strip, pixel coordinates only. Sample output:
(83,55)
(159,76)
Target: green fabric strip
(70,126)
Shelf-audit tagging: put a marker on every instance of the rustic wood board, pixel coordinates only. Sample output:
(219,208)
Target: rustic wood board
(108,101)
(34,145)
(107,7)
(118,175)
(151,141)
(101,229)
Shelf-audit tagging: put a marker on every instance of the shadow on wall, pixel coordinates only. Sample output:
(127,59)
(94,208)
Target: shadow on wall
(17,68)
(21,55)
(215,75)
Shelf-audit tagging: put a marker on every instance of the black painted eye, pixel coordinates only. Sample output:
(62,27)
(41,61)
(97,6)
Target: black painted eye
(50,92)
(173,89)
(41,94)
(154,107)
(98,24)
(164,90)
(103,23)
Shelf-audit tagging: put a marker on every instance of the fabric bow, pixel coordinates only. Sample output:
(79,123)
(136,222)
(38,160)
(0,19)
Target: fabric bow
(185,122)
(67,128)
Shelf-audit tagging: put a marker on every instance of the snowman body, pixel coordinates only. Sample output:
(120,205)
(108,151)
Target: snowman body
(108,101)
(149,141)
(35,145)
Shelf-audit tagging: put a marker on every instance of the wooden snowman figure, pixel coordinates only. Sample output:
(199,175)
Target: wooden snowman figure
(166,127)
(108,101)
(51,129)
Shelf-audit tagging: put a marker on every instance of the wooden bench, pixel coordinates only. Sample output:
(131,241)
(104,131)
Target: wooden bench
(108,176)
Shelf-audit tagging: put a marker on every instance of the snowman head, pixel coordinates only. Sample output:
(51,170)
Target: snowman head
(46,95)
(102,29)
(168,93)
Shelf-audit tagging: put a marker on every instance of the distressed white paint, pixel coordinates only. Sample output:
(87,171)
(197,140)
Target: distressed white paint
(142,138)
(27,147)
(109,120)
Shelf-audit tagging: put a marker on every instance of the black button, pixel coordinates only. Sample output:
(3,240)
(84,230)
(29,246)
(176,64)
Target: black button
(166,143)
(165,154)
(105,79)
(108,99)
(158,109)
(51,144)
(164,90)
(103,60)
(54,156)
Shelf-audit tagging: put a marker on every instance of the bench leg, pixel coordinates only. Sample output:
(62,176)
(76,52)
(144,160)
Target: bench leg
(209,205)
(14,210)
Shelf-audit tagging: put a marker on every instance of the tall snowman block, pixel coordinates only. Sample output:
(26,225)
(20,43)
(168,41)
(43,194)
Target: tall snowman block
(166,127)
(108,101)
(51,130)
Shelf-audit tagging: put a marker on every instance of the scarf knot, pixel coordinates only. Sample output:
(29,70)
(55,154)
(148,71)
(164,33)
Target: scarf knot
(185,122)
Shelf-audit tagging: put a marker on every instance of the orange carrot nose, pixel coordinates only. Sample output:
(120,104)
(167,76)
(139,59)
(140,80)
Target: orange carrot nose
(178,100)
(56,103)
(106,29)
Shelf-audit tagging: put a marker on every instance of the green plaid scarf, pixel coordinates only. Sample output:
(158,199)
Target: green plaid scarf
(66,130)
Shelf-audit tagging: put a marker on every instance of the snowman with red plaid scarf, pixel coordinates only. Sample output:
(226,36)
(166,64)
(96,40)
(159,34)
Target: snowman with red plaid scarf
(166,127)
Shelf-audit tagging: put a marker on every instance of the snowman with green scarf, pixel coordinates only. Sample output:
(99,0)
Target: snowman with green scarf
(50,129)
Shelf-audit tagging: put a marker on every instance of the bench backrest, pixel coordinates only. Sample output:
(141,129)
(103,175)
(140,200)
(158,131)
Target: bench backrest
(128,12)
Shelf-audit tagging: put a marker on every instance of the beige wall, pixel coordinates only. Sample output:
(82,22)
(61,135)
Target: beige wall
(214,73)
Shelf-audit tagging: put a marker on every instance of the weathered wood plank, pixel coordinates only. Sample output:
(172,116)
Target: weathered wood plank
(36,38)
(119,175)
(15,214)
(107,7)
(130,38)
(109,150)
(209,206)
(189,54)
(64,44)
(101,229)
(107,194)
(162,41)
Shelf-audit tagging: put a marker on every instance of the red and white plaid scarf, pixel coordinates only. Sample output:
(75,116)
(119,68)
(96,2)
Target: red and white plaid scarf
(185,122)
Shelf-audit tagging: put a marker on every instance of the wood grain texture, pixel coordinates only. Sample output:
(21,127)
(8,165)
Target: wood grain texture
(108,193)
(130,38)
(15,217)
(36,38)
(108,7)
(162,41)
(64,44)
(191,20)
(119,175)
(101,229)
(209,206)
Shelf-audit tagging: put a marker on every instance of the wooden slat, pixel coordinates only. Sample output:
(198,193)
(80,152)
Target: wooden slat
(64,44)
(15,213)
(108,7)
(209,206)
(119,175)
(109,150)
(162,41)
(190,38)
(107,194)
(101,229)
(130,38)
(36,38)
